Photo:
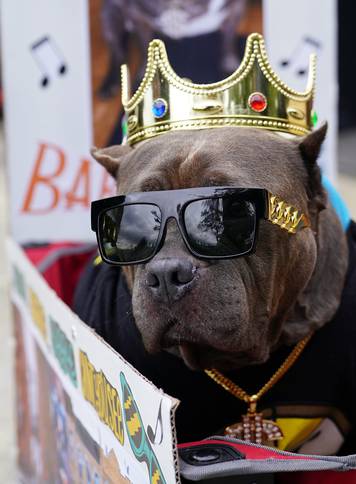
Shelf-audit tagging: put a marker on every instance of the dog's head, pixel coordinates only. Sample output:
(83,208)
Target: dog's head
(231,313)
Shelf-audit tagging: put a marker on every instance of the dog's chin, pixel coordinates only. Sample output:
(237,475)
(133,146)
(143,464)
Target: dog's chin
(191,356)
(199,358)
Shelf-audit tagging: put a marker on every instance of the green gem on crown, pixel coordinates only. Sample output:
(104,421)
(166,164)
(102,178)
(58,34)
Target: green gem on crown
(314,118)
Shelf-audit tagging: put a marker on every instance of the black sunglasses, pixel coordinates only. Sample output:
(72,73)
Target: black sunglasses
(214,222)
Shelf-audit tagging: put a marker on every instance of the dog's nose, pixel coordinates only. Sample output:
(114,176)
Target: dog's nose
(169,279)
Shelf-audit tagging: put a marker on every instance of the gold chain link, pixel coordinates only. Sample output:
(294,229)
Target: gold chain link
(240,393)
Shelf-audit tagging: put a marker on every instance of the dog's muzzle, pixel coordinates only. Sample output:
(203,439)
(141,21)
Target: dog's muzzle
(170,278)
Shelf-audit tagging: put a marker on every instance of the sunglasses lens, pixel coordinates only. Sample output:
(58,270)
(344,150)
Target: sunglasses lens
(220,227)
(129,233)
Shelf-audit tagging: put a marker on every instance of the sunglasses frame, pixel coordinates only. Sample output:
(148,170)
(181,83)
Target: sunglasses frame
(172,204)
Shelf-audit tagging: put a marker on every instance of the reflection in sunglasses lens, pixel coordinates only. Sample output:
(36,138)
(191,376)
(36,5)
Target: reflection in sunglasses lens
(220,226)
(129,233)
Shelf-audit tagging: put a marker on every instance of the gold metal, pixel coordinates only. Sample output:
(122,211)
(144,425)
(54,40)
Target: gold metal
(253,428)
(132,121)
(285,216)
(295,113)
(208,106)
(223,103)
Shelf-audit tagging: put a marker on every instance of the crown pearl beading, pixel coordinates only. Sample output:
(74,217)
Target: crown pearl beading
(253,96)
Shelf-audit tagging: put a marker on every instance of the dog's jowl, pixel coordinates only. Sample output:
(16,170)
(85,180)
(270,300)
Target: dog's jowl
(226,276)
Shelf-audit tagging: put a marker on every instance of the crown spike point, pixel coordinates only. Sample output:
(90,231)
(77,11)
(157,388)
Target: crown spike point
(125,84)
(311,74)
(186,105)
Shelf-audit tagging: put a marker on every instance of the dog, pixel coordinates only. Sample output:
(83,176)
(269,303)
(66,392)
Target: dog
(175,20)
(178,315)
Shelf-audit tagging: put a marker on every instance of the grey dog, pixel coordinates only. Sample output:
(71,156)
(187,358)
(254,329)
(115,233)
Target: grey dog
(292,285)
(239,315)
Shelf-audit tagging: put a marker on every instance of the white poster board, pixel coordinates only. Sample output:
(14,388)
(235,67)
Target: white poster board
(84,413)
(292,31)
(48,116)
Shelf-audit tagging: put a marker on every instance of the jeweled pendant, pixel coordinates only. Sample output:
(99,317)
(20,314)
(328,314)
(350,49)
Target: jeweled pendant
(253,428)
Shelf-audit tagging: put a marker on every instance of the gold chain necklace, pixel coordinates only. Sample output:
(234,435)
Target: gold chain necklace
(253,428)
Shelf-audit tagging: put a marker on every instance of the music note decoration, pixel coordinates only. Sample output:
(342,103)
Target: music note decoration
(49,59)
(156,436)
(299,57)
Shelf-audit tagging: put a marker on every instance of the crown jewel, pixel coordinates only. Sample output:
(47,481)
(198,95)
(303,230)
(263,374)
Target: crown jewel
(253,96)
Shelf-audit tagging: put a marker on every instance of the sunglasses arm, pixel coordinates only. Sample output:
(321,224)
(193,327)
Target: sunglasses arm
(284,215)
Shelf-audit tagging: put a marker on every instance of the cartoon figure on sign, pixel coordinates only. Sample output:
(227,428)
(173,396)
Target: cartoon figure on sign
(139,441)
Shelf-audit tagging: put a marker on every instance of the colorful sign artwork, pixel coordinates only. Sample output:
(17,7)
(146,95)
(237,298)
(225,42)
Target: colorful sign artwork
(102,396)
(83,412)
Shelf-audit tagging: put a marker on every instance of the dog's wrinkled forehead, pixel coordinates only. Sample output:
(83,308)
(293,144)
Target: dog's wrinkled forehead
(226,156)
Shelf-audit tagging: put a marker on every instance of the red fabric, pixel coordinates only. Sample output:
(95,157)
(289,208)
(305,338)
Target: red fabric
(38,253)
(249,451)
(316,477)
(307,477)
(63,274)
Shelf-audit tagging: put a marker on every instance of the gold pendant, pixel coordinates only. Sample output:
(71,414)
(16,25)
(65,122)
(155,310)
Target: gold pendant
(253,428)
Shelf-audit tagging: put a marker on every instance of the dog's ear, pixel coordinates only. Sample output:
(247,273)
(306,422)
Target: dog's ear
(309,148)
(110,157)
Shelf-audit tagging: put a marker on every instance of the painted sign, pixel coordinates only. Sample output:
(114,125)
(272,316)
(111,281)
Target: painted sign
(83,412)
(48,115)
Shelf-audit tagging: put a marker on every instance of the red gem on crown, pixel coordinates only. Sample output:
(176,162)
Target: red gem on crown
(257,102)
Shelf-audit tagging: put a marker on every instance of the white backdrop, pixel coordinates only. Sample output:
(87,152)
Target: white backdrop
(48,114)
(293,30)
(48,110)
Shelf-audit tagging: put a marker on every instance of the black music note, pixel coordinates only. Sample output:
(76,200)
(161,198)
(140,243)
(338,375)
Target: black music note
(299,58)
(156,437)
(49,59)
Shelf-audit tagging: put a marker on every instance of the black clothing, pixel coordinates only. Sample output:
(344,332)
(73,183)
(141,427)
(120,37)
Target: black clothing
(320,385)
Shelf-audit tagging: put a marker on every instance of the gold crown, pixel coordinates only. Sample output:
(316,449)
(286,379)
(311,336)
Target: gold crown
(253,96)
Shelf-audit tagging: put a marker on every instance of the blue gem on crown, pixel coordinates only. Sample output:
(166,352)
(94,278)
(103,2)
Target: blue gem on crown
(159,107)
